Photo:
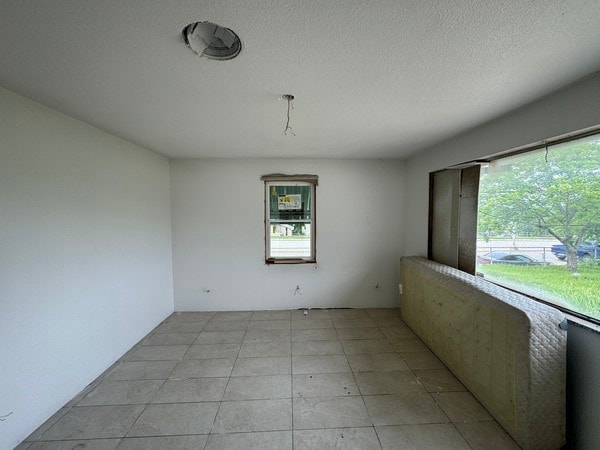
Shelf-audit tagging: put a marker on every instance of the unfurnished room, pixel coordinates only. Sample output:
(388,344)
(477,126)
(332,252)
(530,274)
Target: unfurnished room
(299,224)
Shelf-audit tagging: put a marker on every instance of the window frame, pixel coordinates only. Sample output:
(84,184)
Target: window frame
(285,180)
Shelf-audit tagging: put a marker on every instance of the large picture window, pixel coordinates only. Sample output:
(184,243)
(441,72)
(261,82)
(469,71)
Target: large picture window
(290,219)
(537,222)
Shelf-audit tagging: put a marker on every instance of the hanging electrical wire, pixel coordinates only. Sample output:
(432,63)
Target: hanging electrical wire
(290,105)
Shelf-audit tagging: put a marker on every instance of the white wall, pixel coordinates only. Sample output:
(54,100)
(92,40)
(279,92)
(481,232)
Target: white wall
(574,108)
(85,257)
(218,235)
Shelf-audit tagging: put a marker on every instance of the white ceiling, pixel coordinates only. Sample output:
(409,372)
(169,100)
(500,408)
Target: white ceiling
(372,79)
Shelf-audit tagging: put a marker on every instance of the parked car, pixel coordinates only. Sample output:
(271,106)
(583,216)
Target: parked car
(588,250)
(510,258)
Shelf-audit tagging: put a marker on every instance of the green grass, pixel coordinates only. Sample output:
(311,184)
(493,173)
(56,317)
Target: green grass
(556,284)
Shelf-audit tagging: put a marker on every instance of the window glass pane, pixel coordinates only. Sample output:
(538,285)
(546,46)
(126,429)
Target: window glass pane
(290,220)
(539,224)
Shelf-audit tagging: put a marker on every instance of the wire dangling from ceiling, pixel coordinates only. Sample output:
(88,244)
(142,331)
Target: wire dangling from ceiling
(290,105)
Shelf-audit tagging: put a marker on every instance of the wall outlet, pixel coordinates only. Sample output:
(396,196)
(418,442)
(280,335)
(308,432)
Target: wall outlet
(400,288)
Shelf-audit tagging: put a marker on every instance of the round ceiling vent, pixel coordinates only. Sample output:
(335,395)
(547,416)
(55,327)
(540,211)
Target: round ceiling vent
(212,41)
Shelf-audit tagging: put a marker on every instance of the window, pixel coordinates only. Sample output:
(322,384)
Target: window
(538,223)
(290,219)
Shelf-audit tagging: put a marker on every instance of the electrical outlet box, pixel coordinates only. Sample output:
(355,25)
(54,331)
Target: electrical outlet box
(400,288)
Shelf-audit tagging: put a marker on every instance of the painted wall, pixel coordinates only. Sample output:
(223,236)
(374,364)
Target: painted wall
(85,257)
(218,235)
(573,108)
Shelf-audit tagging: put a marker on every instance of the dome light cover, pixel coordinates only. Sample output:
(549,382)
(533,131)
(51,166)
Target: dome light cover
(212,41)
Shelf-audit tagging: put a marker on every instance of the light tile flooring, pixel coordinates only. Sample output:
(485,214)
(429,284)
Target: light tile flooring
(340,378)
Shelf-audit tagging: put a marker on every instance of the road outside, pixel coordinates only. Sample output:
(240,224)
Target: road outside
(535,247)
(298,247)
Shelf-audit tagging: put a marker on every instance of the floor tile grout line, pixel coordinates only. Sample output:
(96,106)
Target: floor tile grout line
(154,396)
(361,396)
(408,394)
(263,431)
(292,381)
(461,435)
(76,440)
(255,432)
(227,384)
(377,434)
(382,394)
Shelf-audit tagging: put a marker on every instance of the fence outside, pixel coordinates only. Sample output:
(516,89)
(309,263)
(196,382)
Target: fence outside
(535,248)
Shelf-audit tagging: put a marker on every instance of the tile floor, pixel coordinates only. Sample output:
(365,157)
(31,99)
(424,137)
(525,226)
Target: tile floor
(342,378)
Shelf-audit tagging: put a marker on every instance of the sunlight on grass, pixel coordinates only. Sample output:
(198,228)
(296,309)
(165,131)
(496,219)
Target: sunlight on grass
(552,283)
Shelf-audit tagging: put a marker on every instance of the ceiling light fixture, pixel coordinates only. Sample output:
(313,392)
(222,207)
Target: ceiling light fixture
(212,41)
(289,98)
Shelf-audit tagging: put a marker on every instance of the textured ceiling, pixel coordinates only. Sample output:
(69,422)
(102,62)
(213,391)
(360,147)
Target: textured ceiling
(372,79)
